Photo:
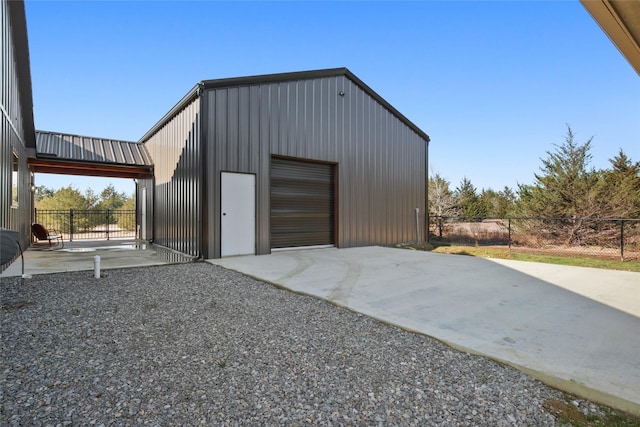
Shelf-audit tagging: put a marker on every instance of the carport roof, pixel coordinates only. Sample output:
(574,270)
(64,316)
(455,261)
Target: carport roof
(90,156)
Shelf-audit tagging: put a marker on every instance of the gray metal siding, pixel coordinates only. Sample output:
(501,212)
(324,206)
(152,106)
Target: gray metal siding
(16,128)
(176,151)
(381,161)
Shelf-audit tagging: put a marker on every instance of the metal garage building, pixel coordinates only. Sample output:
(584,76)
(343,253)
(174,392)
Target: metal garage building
(328,161)
(316,158)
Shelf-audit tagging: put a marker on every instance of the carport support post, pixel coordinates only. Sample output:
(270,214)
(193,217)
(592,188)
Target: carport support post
(70,225)
(621,240)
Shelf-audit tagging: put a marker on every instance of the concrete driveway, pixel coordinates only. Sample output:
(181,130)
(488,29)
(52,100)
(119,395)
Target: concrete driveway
(575,328)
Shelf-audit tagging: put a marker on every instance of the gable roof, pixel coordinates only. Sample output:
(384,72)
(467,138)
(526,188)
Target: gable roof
(275,78)
(85,155)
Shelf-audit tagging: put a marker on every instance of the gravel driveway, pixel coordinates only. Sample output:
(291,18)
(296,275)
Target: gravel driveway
(195,344)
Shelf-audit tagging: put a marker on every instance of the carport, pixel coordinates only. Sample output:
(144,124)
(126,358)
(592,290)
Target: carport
(69,154)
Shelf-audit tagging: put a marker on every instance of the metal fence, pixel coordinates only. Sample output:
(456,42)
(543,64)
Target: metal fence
(617,238)
(75,224)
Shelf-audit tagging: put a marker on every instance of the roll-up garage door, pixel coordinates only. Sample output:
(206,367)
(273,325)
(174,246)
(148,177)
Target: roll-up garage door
(302,203)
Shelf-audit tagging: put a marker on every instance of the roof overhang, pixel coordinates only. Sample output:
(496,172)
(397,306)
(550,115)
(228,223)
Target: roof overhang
(66,167)
(620,20)
(69,154)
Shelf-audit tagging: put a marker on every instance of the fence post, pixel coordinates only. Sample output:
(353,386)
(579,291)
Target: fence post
(107,221)
(427,226)
(622,240)
(509,222)
(70,225)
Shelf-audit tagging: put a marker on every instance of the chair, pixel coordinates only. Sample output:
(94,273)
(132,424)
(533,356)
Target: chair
(52,236)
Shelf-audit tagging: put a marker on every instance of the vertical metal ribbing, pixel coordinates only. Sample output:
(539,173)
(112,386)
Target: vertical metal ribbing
(174,148)
(16,126)
(381,161)
(200,147)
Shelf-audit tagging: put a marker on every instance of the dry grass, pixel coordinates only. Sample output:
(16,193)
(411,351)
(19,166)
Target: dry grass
(568,258)
(568,414)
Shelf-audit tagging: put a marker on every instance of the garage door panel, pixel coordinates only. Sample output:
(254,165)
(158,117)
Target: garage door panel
(302,203)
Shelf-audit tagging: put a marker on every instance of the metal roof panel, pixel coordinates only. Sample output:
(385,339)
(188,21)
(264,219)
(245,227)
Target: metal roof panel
(90,149)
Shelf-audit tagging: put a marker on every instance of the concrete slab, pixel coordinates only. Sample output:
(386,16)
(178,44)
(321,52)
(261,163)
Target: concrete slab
(79,255)
(574,328)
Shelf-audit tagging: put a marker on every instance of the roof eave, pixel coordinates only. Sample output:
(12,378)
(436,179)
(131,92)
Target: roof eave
(275,78)
(388,106)
(313,74)
(19,30)
(620,24)
(186,100)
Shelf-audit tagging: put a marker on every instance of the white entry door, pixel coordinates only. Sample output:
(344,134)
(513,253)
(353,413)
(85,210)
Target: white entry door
(238,213)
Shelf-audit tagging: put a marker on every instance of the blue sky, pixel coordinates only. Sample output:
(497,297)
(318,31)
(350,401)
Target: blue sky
(493,83)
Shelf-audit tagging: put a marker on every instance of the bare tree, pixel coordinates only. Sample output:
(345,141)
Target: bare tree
(441,200)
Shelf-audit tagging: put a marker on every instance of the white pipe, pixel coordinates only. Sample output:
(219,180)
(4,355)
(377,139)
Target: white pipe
(96,266)
(418,225)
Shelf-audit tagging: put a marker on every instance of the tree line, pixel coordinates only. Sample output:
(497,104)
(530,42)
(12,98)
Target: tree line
(566,186)
(66,198)
(91,211)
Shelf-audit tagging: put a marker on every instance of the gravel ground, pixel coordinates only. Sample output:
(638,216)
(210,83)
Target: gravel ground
(197,344)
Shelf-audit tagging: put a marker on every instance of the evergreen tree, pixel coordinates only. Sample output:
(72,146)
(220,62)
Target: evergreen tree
(619,188)
(62,201)
(41,192)
(111,199)
(467,201)
(566,186)
(506,203)
(126,221)
(497,204)
(64,198)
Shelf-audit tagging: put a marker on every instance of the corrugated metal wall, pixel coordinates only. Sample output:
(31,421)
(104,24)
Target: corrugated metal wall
(14,216)
(381,162)
(174,205)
